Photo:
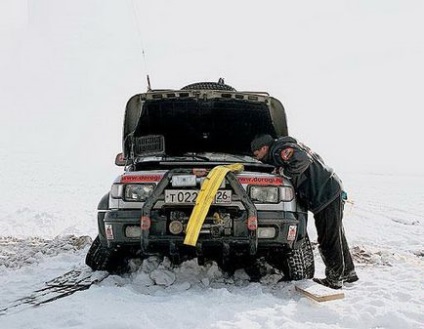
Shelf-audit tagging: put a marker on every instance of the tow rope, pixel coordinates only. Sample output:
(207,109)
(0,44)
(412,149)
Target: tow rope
(204,200)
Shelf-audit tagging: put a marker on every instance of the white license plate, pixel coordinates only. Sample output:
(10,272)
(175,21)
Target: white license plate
(189,196)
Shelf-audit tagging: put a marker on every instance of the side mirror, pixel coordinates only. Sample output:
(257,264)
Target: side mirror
(120,160)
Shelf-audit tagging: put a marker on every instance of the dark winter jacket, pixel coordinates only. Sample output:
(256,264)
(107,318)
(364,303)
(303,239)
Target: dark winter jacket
(315,183)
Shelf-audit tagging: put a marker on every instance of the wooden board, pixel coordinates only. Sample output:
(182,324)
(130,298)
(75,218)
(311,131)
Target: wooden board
(317,291)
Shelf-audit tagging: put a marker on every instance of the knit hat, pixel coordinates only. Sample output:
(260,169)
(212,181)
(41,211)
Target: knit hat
(261,140)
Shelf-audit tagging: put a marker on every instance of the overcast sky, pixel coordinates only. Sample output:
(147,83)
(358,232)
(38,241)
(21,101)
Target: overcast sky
(350,73)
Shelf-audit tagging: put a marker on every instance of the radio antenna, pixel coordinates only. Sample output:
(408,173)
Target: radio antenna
(134,12)
(149,88)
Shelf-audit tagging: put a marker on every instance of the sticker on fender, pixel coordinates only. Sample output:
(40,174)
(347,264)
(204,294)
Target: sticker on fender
(291,235)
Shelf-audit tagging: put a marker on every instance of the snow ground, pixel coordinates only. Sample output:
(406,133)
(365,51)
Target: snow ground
(67,69)
(50,235)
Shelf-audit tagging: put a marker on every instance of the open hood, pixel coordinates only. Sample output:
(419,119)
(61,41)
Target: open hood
(204,117)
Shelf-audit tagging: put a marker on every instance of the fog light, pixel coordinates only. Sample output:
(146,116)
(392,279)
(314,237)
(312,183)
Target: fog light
(176,227)
(266,232)
(133,231)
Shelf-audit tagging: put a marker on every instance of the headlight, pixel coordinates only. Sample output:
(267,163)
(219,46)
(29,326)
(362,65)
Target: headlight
(266,194)
(138,192)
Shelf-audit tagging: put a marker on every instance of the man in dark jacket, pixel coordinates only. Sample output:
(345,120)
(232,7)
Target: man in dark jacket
(320,190)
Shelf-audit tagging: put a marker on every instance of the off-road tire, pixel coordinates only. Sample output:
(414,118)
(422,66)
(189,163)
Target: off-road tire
(298,264)
(101,258)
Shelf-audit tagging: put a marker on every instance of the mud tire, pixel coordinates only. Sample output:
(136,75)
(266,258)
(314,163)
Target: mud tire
(101,258)
(299,263)
(296,264)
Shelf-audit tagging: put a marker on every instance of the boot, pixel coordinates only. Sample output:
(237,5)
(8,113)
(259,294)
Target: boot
(350,277)
(333,284)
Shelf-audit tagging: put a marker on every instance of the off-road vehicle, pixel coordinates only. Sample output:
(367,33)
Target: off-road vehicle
(172,141)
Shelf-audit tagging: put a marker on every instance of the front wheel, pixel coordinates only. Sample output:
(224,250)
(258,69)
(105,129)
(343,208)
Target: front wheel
(101,258)
(297,264)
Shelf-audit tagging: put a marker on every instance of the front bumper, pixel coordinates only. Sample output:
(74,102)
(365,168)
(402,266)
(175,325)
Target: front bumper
(226,225)
(116,224)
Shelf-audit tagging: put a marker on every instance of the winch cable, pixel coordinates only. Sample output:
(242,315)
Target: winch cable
(204,200)
(134,13)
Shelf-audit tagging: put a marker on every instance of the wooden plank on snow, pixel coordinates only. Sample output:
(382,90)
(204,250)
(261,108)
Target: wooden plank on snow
(317,291)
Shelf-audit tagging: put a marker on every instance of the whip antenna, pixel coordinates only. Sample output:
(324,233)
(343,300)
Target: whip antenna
(134,12)
(149,88)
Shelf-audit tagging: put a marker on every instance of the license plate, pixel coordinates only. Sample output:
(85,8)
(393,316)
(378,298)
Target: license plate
(189,196)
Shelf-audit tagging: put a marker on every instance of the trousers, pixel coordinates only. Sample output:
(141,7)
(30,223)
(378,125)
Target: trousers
(332,242)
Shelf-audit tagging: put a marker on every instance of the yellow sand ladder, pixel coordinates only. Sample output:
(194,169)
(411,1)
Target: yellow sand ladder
(204,200)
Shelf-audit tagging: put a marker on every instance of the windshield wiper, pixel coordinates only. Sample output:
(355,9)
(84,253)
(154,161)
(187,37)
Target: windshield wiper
(196,156)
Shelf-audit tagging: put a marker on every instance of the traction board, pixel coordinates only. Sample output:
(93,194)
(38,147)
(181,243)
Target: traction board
(204,200)
(317,291)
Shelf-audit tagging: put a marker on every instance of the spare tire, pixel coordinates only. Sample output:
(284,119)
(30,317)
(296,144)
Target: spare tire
(209,86)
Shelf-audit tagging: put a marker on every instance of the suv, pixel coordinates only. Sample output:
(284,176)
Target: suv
(174,141)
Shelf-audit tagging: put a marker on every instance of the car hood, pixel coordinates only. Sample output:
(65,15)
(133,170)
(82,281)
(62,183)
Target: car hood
(202,120)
